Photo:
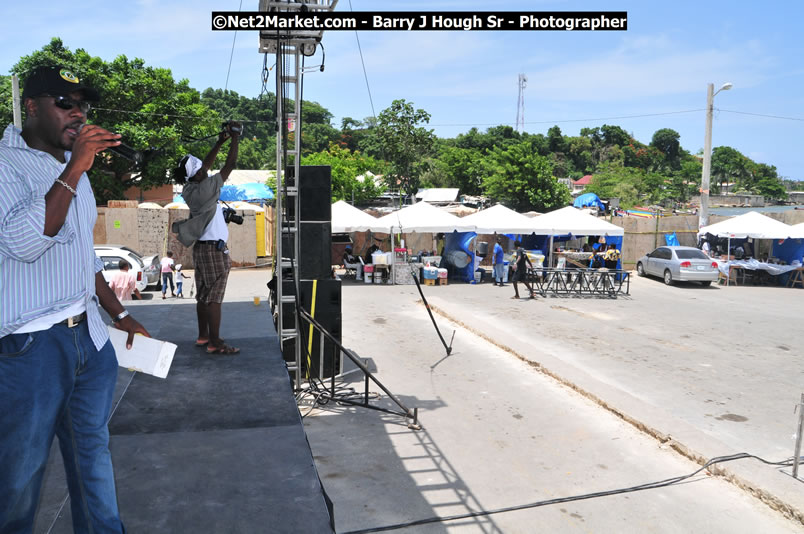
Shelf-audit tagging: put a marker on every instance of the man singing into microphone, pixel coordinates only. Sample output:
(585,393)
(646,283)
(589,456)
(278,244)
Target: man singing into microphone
(57,367)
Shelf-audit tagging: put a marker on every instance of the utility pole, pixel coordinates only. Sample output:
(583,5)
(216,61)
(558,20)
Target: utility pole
(520,105)
(703,213)
(15,91)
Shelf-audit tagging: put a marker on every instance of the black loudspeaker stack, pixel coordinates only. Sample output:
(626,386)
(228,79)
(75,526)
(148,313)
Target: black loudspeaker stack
(319,360)
(315,272)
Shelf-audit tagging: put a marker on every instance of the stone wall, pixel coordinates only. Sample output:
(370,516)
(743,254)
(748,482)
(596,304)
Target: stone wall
(147,231)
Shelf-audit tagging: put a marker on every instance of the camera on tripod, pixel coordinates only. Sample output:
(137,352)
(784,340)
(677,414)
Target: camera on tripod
(231,216)
(233,127)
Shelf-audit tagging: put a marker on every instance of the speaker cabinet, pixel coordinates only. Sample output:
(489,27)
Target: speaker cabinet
(315,243)
(315,193)
(324,359)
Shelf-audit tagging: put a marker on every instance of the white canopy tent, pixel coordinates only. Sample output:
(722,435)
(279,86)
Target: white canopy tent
(500,220)
(421,217)
(798,231)
(572,221)
(346,218)
(752,224)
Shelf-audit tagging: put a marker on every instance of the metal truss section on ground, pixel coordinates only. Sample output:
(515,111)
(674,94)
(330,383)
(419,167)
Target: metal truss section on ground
(581,282)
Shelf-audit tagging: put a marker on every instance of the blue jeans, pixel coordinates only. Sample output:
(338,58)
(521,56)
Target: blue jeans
(167,277)
(55,382)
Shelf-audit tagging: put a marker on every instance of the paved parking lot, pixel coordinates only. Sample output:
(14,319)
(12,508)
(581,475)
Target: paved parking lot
(629,384)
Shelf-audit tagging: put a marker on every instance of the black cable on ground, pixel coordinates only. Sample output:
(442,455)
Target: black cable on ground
(607,493)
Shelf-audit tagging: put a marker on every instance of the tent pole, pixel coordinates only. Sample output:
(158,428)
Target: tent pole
(550,253)
(393,259)
(728,260)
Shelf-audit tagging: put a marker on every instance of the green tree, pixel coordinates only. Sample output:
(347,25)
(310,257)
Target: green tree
(6,101)
(523,180)
(144,104)
(556,141)
(612,180)
(404,143)
(464,168)
(767,182)
(346,167)
(729,166)
(614,135)
(667,142)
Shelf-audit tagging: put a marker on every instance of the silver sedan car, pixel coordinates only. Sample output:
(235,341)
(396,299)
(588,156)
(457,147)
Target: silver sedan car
(678,264)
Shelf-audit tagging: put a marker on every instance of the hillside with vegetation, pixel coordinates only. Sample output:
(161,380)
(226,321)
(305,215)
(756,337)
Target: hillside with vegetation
(167,118)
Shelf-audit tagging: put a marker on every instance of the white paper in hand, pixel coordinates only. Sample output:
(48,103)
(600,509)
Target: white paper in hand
(147,355)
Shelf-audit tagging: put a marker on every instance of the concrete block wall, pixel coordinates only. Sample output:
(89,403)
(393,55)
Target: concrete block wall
(152,225)
(148,232)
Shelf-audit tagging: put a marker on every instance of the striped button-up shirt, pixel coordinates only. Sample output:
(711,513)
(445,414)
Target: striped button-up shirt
(40,275)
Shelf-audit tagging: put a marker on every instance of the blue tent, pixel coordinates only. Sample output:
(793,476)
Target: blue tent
(249,191)
(588,199)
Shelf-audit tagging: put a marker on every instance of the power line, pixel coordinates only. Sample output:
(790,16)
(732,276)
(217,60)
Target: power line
(581,120)
(234,38)
(762,115)
(173,116)
(365,74)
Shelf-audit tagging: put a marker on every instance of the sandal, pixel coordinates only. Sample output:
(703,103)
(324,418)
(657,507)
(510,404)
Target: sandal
(199,343)
(223,349)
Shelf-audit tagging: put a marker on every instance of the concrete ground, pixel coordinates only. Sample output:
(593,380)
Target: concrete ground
(573,396)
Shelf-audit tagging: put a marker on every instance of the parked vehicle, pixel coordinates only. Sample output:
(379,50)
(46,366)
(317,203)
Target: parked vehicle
(146,270)
(678,264)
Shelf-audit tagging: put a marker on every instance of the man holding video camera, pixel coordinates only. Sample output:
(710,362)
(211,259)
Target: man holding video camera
(207,233)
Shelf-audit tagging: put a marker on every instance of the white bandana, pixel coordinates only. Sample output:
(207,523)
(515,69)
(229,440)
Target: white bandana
(192,166)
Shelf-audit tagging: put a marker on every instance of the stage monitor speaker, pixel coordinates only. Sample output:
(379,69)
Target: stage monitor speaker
(315,243)
(315,193)
(324,360)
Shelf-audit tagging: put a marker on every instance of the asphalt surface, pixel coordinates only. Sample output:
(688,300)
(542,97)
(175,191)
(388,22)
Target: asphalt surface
(553,397)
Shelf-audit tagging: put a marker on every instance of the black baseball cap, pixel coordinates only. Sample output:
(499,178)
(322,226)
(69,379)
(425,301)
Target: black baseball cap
(56,81)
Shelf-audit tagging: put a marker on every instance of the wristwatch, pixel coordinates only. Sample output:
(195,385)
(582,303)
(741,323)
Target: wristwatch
(122,315)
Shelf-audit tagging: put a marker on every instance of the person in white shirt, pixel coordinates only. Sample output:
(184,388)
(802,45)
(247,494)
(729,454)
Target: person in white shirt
(207,233)
(167,274)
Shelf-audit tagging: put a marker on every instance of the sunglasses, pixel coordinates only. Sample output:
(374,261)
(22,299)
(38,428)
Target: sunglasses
(65,102)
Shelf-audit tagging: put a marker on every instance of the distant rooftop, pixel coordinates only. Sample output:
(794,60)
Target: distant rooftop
(438,194)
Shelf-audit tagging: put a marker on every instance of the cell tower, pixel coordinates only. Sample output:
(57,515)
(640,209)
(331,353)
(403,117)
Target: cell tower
(520,105)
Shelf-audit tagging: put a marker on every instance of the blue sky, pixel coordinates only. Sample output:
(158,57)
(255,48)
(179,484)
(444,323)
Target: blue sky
(662,64)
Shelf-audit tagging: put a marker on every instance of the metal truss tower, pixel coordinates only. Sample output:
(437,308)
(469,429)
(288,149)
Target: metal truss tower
(289,46)
(520,105)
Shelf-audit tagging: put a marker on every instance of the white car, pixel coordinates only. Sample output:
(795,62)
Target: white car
(146,270)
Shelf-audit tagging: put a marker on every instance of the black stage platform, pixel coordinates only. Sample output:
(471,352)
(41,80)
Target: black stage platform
(218,446)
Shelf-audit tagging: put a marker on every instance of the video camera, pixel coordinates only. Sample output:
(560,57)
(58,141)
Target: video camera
(231,216)
(233,127)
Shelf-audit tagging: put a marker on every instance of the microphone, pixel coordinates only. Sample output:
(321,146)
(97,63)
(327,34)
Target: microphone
(127,152)
(122,150)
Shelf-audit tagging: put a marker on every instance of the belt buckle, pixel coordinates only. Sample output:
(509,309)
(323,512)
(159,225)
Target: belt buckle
(70,322)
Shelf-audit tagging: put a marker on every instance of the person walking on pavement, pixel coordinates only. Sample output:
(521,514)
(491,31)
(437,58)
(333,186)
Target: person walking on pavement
(498,263)
(58,369)
(521,270)
(207,233)
(167,274)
